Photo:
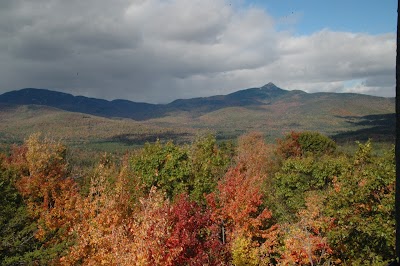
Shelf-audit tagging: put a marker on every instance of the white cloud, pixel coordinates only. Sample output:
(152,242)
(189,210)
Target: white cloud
(157,50)
(325,60)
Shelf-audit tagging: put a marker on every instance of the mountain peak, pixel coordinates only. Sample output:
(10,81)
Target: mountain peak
(270,86)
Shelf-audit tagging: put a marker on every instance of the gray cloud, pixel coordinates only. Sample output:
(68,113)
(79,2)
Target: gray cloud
(157,51)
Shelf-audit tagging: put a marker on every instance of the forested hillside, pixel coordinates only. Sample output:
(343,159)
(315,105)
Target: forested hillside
(268,109)
(299,201)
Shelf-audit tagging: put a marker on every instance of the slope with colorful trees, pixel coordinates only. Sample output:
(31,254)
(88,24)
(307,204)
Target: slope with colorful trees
(297,202)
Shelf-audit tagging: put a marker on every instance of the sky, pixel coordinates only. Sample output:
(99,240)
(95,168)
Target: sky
(161,50)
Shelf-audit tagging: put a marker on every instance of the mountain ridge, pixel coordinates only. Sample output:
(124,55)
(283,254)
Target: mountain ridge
(265,95)
(126,108)
(267,109)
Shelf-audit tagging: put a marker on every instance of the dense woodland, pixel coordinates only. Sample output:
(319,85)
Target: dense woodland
(299,201)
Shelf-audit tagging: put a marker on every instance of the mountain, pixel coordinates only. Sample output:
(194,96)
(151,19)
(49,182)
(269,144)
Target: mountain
(247,97)
(80,104)
(268,109)
(135,110)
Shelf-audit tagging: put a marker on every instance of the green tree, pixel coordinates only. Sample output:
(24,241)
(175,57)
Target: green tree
(316,143)
(361,202)
(164,166)
(299,175)
(208,162)
(194,169)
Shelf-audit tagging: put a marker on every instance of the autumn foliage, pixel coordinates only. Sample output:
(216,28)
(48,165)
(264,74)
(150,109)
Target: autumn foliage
(306,242)
(299,202)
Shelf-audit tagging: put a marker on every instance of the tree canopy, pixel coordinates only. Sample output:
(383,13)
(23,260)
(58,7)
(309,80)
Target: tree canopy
(297,202)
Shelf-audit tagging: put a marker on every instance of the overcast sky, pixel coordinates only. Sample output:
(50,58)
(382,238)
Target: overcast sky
(160,50)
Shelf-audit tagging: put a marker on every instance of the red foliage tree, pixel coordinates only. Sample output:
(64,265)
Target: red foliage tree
(192,235)
(174,234)
(289,146)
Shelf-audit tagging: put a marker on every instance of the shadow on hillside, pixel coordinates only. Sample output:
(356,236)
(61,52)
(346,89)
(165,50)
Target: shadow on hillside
(140,139)
(380,128)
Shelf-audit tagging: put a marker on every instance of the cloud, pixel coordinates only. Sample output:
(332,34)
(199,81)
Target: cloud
(157,51)
(325,60)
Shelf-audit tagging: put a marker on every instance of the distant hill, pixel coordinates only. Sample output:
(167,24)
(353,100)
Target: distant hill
(247,97)
(20,121)
(267,109)
(139,111)
(80,104)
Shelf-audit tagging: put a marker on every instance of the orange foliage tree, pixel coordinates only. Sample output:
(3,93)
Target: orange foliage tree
(244,223)
(254,155)
(49,193)
(102,234)
(305,242)
(117,228)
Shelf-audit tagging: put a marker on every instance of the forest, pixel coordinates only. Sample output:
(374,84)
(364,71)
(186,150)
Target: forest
(302,200)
